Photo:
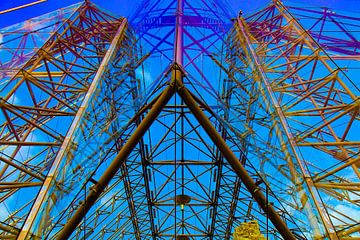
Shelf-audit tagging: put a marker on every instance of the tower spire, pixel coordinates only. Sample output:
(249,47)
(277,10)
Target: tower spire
(178,43)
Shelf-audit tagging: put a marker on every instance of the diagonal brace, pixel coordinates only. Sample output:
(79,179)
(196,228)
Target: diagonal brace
(234,161)
(178,86)
(110,172)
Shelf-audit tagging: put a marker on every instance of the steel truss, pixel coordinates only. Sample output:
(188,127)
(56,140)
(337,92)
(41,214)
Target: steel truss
(308,106)
(179,124)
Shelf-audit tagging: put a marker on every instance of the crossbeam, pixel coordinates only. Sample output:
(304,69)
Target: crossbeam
(176,85)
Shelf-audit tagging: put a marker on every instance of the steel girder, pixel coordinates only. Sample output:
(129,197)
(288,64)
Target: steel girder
(167,105)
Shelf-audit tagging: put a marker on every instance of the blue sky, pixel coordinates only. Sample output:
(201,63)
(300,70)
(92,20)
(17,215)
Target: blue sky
(126,7)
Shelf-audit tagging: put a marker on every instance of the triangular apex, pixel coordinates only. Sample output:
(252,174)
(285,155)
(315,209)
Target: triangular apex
(175,86)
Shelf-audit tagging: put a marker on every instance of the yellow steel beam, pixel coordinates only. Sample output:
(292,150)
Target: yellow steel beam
(40,74)
(313,144)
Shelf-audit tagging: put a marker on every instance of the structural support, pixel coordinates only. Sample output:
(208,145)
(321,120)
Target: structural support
(176,85)
(110,172)
(234,162)
(319,206)
(67,143)
(93,157)
(179,43)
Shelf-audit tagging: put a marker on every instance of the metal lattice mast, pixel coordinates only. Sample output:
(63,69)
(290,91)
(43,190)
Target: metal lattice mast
(40,100)
(312,104)
(179,124)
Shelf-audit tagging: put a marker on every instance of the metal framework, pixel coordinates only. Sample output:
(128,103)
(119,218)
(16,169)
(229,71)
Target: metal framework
(180,123)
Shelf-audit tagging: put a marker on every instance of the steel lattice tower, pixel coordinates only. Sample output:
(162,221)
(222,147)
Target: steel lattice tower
(182,122)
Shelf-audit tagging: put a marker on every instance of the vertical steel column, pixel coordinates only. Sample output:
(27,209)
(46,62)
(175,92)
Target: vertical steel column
(234,162)
(178,76)
(178,43)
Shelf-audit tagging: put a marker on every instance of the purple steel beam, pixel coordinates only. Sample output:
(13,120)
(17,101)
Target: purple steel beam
(179,35)
(343,44)
(319,12)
